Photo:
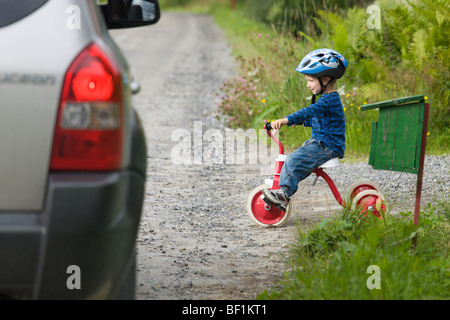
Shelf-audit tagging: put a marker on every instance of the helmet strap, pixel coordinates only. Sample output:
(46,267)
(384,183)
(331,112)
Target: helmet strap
(322,88)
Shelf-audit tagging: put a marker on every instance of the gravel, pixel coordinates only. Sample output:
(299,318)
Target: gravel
(195,239)
(399,187)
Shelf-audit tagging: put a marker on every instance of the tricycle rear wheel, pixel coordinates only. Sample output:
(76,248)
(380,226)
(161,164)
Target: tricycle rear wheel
(370,201)
(360,186)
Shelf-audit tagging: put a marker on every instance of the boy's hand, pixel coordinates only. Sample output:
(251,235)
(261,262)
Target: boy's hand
(277,124)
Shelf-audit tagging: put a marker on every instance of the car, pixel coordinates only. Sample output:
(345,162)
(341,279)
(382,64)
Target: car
(72,150)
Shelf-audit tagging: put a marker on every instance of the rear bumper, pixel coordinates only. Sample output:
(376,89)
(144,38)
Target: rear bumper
(90,221)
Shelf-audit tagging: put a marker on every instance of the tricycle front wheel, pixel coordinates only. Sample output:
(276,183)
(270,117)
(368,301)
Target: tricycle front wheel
(263,214)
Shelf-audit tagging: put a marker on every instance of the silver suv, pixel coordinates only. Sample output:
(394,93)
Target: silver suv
(72,150)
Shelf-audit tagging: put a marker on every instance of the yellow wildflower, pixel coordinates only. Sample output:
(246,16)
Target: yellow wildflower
(263,100)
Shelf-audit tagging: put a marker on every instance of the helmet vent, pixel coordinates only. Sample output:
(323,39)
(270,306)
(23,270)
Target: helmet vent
(306,63)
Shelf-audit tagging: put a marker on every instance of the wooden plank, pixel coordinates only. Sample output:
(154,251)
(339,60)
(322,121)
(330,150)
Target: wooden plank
(406,136)
(392,168)
(384,151)
(392,103)
(422,124)
(373,143)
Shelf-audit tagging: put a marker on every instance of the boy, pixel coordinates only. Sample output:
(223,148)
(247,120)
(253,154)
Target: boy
(321,68)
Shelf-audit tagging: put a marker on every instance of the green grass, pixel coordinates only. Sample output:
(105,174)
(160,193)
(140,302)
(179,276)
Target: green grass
(269,87)
(331,260)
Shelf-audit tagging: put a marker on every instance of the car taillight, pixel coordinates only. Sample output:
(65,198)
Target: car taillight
(89,129)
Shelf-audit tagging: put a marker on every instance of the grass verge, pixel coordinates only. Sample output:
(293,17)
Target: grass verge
(349,258)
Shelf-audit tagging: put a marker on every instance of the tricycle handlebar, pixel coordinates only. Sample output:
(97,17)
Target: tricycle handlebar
(268,127)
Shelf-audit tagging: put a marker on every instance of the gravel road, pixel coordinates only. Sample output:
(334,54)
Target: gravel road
(195,239)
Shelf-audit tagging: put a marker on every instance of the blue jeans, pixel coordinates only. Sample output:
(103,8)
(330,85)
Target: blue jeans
(302,162)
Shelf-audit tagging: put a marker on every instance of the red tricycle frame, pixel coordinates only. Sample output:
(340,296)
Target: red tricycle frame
(364,195)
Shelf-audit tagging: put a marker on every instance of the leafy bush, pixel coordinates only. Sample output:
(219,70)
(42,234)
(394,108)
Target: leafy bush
(408,55)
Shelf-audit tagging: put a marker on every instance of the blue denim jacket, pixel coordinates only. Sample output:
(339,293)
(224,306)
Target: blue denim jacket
(326,117)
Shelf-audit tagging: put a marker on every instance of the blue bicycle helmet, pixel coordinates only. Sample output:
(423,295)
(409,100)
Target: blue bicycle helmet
(323,63)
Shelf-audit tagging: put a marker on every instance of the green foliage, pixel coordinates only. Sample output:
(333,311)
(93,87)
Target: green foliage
(331,260)
(295,15)
(408,55)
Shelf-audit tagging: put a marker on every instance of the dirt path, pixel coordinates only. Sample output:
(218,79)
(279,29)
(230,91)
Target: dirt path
(195,240)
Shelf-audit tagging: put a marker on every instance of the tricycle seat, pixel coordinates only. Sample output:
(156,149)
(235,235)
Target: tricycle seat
(331,163)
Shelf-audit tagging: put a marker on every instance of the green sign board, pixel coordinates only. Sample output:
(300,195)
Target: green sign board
(397,136)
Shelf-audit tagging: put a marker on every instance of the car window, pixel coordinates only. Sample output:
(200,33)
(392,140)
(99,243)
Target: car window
(12,10)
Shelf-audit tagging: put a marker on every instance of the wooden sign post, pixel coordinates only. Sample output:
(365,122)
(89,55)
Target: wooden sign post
(399,138)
